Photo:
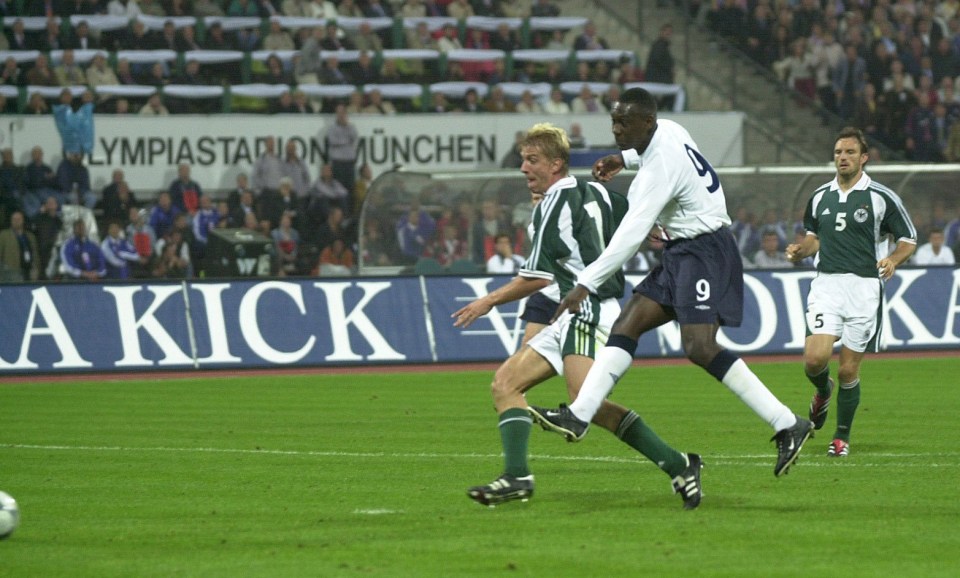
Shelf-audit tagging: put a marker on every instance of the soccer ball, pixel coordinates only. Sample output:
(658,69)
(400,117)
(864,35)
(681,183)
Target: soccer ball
(9,515)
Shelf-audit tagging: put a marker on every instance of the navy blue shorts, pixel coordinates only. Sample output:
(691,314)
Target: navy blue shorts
(539,309)
(699,279)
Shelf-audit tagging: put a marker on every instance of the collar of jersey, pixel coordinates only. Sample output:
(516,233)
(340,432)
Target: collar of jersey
(861,185)
(564,183)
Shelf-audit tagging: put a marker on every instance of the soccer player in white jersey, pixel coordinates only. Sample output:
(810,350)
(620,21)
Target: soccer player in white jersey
(847,222)
(571,225)
(699,282)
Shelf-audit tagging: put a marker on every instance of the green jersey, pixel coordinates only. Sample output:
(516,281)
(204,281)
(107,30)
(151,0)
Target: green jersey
(571,227)
(853,226)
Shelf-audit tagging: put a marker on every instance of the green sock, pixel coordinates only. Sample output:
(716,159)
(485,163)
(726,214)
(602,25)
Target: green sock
(821,381)
(515,424)
(637,435)
(848,398)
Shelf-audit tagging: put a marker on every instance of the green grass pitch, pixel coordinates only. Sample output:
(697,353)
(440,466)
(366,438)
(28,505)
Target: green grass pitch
(365,475)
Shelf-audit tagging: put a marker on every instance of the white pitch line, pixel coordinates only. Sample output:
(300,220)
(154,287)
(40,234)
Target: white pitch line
(718,459)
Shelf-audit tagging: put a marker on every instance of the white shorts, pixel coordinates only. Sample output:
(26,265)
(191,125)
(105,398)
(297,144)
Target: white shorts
(566,336)
(846,306)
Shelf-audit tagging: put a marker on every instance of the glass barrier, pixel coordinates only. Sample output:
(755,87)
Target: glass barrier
(443,223)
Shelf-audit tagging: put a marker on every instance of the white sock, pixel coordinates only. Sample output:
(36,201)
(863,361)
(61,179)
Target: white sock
(608,367)
(751,391)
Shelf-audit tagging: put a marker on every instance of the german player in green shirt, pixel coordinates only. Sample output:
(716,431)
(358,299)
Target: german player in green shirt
(571,226)
(848,221)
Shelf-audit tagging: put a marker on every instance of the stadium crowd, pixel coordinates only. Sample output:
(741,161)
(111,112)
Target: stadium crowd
(889,67)
(56,226)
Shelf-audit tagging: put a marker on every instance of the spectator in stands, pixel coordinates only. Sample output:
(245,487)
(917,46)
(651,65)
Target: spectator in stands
(163,214)
(333,226)
(439,103)
(589,40)
(556,104)
(10,75)
(377,248)
(80,257)
(39,183)
(119,253)
(471,101)
(758,34)
(377,9)
(497,102)
(138,37)
(770,255)
(896,104)
(576,138)
(192,75)
(294,168)
(278,38)
(449,40)
(18,39)
(286,243)
(19,252)
(185,192)
(332,73)
(204,8)
(528,104)
(173,258)
(243,8)
(921,141)
(504,39)
(365,39)
(110,193)
(660,65)
(46,226)
(868,115)
(50,38)
(330,192)
(322,9)
(350,9)
(157,75)
(99,73)
(504,261)
(152,8)
(544,8)
(554,74)
(587,102)
(301,105)
(69,73)
(154,106)
(73,180)
(245,206)
(797,70)
(267,169)
(41,74)
(207,219)
(217,39)
(934,251)
(118,202)
(335,259)
(460,9)
(168,38)
(365,72)
(415,230)
(187,40)
(342,139)
(233,197)
(283,201)
(485,230)
(361,186)
(377,105)
(849,77)
(125,73)
(295,8)
(420,37)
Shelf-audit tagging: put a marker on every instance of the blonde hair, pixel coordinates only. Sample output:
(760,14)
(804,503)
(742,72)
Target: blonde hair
(550,140)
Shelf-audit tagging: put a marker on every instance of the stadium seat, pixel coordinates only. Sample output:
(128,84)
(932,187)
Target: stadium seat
(428,266)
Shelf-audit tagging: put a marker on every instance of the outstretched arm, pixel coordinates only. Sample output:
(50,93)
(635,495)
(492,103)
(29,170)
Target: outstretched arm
(518,288)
